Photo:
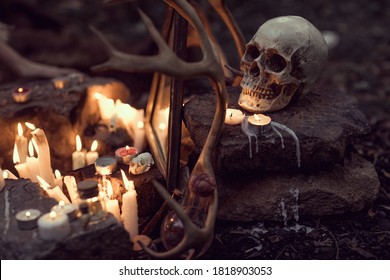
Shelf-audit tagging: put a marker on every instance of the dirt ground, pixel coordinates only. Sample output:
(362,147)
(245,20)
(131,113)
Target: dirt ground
(358,64)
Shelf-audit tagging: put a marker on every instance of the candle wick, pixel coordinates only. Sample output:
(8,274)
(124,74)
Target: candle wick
(231,115)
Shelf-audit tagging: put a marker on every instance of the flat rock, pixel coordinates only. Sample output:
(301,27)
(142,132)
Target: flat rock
(324,121)
(347,187)
(105,240)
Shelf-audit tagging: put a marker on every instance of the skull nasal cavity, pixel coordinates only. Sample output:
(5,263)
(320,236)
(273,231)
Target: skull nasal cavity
(276,63)
(255,70)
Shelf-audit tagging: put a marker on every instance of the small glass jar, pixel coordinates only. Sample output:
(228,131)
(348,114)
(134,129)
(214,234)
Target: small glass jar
(89,193)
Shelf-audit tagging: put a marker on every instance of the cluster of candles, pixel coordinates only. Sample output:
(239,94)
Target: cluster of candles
(235,117)
(80,157)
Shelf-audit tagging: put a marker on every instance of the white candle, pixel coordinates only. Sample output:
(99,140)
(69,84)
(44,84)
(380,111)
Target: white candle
(54,226)
(92,155)
(66,208)
(43,150)
(22,169)
(71,185)
(106,106)
(2,182)
(21,144)
(27,219)
(58,179)
(78,156)
(32,163)
(259,119)
(129,207)
(234,117)
(112,206)
(55,192)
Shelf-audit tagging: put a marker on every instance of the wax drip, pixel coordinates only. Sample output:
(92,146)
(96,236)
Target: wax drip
(280,135)
(245,128)
(6,212)
(292,133)
(284,212)
(295,208)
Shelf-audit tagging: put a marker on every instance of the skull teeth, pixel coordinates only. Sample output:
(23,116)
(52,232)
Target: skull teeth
(259,94)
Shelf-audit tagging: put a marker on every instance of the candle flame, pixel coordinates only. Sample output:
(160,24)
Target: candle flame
(98,95)
(16,157)
(20,89)
(44,185)
(57,174)
(30,149)
(53,214)
(78,143)
(94,145)
(127,148)
(20,129)
(129,185)
(61,203)
(30,125)
(140,124)
(28,214)
(257,118)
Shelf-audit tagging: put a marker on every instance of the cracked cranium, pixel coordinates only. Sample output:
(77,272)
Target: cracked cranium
(141,163)
(282,60)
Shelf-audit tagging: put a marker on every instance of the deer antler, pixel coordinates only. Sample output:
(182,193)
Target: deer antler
(202,189)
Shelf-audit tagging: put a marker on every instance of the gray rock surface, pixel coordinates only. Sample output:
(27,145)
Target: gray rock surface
(324,121)
(348,187)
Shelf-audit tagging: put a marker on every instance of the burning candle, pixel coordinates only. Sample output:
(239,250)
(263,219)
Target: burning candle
(43,150)
(60,83)
(27,219)
(21,144)
(92,155)
(71,186)
(234,117)
(9,175)
(21,95)
(78,156)
(54,226)
(68,209)
(124,155)
(53,192)
(112,206)
(32,163)
(58,179)
(259,119)
(129,207)
(22,168)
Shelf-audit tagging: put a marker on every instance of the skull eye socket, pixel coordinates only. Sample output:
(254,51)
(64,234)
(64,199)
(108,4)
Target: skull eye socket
(252,52)
(276,63)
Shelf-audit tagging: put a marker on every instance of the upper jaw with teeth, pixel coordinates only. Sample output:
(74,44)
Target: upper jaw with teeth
(259,93)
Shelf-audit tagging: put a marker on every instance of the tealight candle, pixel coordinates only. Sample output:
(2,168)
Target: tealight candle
(259,119)
(21,95)
(124,155)
(78,156)
(105,165)
(54,226)
(27,219)
(92,155)
(67,208)
(234,117)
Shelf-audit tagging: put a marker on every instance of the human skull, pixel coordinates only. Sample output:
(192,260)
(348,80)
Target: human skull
(283,59)
(141,163)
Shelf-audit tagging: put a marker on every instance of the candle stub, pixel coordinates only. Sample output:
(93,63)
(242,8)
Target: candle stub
(234,117)
(124,155)
(21,95)
(27,219)
(106,165)
(259,119)
(144,239)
